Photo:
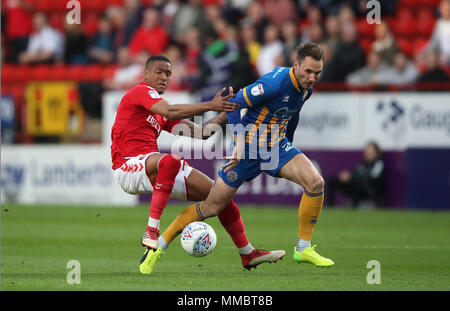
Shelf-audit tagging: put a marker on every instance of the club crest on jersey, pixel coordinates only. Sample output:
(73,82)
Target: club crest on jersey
(232,176)
(257,90)
(154,123)
(153,94)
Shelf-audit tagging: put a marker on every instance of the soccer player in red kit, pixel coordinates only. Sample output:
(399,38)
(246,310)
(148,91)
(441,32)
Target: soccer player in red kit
(139,167)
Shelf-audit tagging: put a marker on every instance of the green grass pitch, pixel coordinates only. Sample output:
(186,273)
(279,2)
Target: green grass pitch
(412,247)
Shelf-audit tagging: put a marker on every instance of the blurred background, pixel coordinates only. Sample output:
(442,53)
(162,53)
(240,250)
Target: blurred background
(384,86)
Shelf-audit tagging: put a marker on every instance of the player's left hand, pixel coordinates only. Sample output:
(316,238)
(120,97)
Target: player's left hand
(220,103)
(235,157)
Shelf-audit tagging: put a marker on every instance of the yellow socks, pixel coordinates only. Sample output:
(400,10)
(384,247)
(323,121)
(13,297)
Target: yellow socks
(308,213)
(188,215)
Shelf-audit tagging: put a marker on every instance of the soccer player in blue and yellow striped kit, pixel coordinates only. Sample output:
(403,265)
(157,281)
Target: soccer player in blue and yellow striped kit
(261,145)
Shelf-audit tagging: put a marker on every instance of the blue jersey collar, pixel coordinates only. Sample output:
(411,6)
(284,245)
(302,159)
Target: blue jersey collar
(294,80)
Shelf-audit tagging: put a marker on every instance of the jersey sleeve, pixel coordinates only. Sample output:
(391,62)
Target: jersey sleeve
(254,94)
(147,97)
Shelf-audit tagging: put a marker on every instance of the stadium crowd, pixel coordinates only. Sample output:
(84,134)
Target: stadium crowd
(214,42)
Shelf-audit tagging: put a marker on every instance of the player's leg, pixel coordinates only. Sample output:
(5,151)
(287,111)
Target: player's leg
(194,212)
(161,169)
(300,170)
(198,186)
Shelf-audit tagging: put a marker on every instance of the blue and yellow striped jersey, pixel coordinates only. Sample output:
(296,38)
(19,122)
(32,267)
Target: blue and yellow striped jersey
(271,100)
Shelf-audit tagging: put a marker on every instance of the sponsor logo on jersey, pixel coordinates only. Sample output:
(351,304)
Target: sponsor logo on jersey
(154,123)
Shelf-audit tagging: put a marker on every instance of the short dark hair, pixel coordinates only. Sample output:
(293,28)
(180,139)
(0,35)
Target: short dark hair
(155,58)
(310,49)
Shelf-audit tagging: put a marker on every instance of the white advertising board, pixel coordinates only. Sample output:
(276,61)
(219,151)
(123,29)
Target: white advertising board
(60,175)
(397,121)
(343,121)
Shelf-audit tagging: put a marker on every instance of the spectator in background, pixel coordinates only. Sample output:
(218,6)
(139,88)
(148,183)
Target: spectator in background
(76,44)
(122,27)
(440,39)
(179,80)
(190,14)
(133,12)
(346,14)
(242,72)
(193,49)
(328,56)
(258,19)
(384,43)
(402,72)
(150,36)
(129,72)
(279,11)
(215,64)
(291,40)
(169,9)
(46,44)
(314,33)
(332,30)
(250,42)
(271,54)
(18,27)
(365,183)
(372,74)
(348,57)
(434,71)
(101,48)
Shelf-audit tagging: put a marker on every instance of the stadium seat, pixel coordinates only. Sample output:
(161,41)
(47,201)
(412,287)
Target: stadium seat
(40,72)
(403,4)
(75,72)
(405,27)
(56,20)
(93,73)
(89,23)
(426,23)
(419,44)
(365,29)
(406,46)
(366,44)
(22,73)
(429,3)
(58,73)
(108,71)
(9,73)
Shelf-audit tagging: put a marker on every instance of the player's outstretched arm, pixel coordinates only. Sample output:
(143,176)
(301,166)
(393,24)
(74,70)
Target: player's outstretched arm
(204,131)
(182,111)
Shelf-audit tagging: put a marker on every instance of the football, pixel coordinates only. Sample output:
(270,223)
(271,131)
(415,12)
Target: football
(198,239)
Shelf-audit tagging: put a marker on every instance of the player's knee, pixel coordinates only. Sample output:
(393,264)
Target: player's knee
(316,184)
(169,165)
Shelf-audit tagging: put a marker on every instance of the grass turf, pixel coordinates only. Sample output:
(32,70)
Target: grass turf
(413,248)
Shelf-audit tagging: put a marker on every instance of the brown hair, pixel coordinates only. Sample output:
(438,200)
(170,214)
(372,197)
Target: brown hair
(310,49)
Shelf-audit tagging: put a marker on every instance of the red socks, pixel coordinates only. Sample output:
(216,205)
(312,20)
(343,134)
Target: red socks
(168,168)
(231,220)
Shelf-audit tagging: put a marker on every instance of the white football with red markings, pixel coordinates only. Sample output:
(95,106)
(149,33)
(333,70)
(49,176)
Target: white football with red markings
(198,239)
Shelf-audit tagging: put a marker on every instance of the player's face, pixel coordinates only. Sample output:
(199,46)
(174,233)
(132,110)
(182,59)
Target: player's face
(157,75)
(308,71)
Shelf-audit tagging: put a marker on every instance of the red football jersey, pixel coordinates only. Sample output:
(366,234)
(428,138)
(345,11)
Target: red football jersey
(136,128)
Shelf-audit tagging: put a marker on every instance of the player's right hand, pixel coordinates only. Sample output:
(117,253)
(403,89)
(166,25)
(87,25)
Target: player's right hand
(220,103)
